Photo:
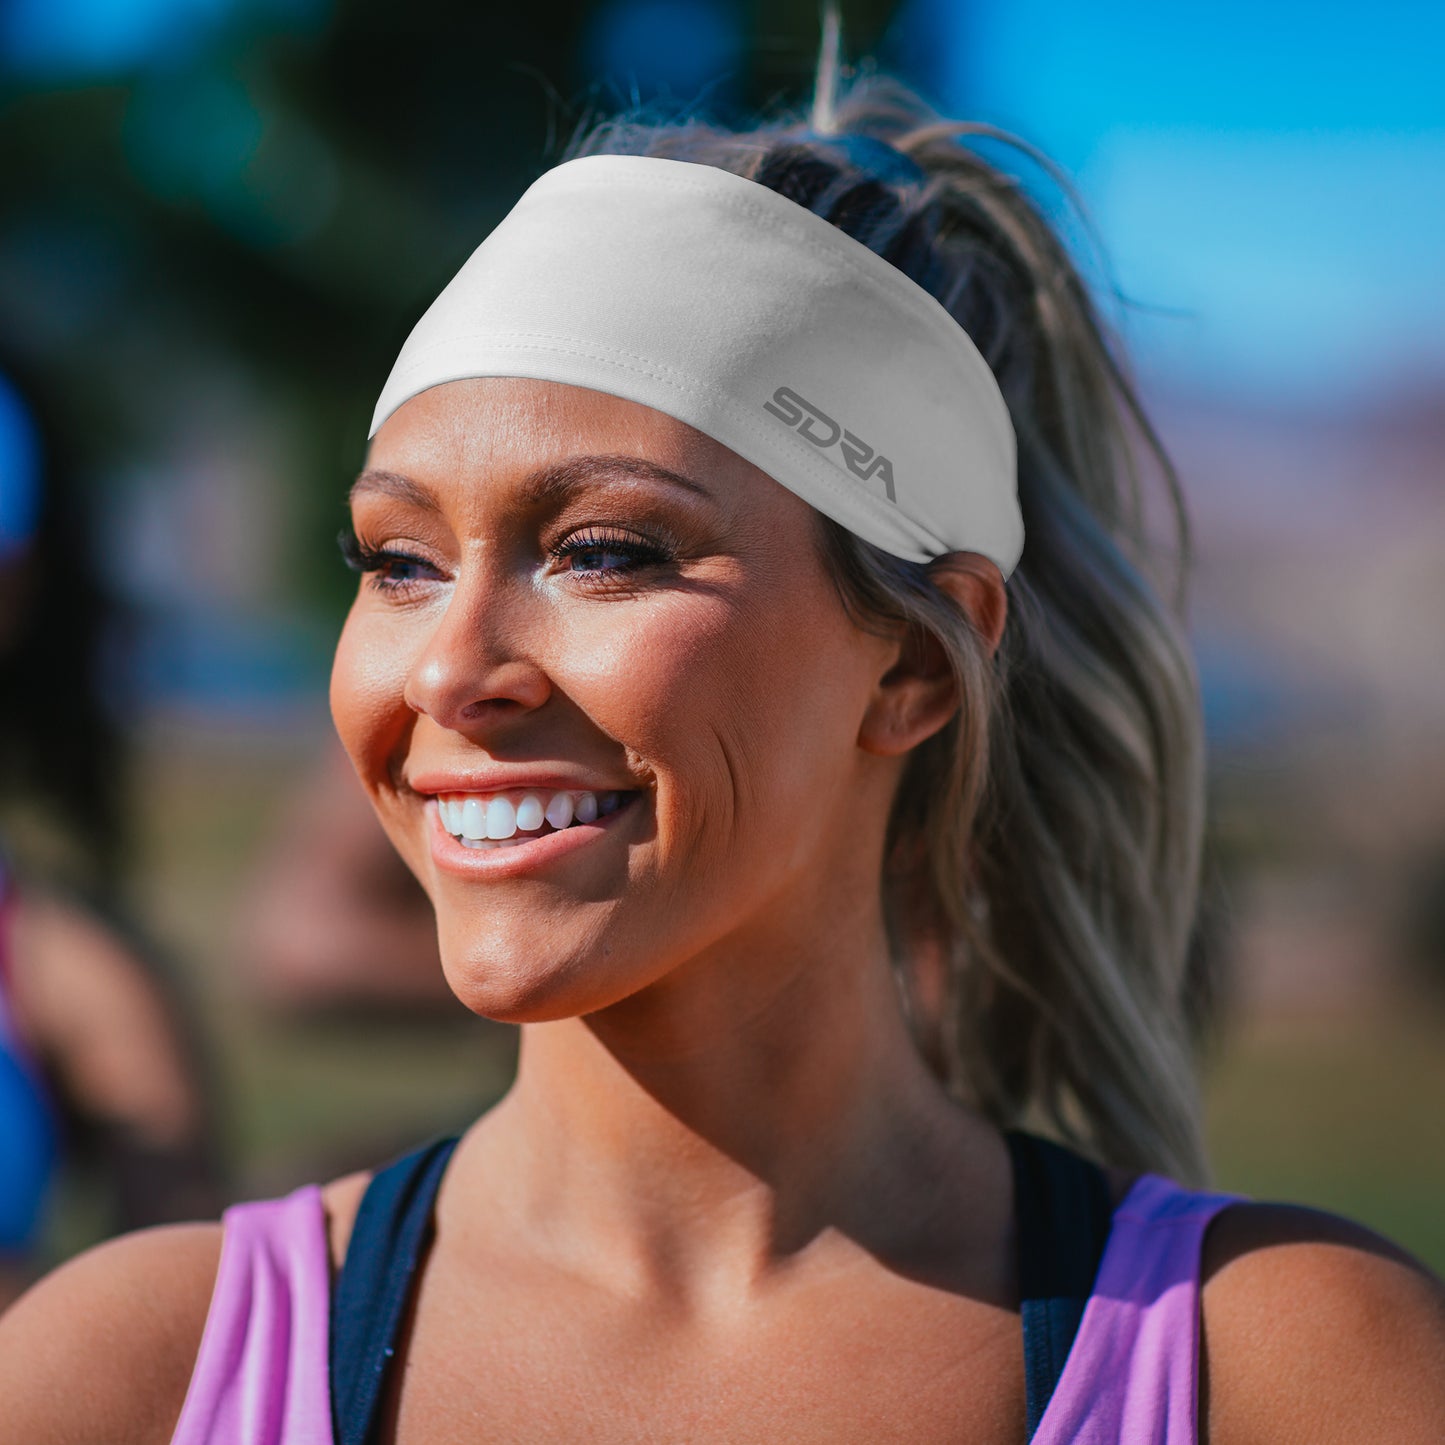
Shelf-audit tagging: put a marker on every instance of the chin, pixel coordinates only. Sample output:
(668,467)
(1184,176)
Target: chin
(518,987)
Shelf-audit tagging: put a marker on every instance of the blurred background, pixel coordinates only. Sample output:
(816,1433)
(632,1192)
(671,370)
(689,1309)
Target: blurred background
(218,221)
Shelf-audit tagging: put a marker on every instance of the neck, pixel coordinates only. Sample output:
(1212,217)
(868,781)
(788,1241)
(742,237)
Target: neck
(715,1128)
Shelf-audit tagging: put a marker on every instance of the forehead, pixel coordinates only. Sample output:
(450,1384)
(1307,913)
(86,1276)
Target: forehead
(483,437)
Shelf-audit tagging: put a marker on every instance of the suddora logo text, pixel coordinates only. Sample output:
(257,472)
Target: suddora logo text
(820,429)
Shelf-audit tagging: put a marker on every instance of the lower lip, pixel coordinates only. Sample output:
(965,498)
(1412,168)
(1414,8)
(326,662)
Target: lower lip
(453,856)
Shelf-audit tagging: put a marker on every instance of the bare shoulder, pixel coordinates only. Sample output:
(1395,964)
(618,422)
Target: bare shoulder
(102,1349)
(341,1199)
(1316,1329)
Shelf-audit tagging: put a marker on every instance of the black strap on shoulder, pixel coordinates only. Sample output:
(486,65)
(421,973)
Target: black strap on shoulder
(368,1301)
(1063,1210)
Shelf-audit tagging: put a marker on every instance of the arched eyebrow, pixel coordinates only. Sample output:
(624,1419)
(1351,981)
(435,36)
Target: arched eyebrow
(556,482)
(393,484)
(551,484)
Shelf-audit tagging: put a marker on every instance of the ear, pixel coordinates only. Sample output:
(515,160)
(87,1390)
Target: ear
(917,695)
(976,584)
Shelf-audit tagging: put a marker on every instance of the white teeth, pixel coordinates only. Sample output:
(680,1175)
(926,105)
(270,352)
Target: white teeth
(492,820)
(501,819)
(474,819)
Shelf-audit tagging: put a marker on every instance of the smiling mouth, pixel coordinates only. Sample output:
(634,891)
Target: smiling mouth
(504,820)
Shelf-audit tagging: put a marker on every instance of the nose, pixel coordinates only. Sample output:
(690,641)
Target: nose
(475,667)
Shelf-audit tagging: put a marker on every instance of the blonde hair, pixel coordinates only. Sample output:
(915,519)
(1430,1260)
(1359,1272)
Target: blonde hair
(1045,846)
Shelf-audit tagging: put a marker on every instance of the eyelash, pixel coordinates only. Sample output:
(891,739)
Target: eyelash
(371,561)
(637,552)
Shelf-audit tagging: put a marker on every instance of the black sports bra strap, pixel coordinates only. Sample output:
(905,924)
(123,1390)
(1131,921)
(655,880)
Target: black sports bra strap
(1063,1210)
(368,1300)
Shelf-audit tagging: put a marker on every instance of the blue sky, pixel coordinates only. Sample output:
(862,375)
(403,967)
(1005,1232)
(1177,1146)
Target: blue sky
(1275,171)
(75,39)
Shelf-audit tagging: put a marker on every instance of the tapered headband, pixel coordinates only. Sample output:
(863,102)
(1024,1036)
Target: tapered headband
(724,304)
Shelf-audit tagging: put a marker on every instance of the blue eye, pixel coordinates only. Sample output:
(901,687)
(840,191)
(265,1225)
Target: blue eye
(388,569)
(592,553)
(600,559)
(394,567)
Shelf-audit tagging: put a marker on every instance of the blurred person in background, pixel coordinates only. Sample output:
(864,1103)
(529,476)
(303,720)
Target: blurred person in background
(333,919)
(695,758)
(98,1068)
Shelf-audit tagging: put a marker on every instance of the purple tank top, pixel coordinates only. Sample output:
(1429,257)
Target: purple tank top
(1131,1378)
(261,1373)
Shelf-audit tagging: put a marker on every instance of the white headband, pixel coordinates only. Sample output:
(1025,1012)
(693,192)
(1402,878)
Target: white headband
(724,304)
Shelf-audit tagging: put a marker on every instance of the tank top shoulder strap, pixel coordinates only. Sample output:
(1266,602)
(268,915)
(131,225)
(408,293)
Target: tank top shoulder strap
(1133,1373)
(392,1227)
(1062,1212)
(260,1376)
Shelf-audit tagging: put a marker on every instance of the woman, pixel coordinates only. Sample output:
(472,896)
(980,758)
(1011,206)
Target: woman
(808,850)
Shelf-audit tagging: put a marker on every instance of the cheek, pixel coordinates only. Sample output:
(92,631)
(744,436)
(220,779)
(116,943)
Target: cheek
(743,704)
(368,681)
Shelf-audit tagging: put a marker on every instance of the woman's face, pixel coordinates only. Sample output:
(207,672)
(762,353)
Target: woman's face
(570,599)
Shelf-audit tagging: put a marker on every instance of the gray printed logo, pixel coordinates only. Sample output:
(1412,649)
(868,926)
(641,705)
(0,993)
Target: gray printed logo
(819,428)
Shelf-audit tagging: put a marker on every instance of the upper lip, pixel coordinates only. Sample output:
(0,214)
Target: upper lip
(504,780)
